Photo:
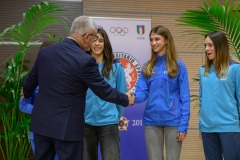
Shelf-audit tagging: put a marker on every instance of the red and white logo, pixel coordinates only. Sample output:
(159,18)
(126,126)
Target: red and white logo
(131,67)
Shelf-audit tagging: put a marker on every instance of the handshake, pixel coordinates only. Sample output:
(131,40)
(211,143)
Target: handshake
(131,98)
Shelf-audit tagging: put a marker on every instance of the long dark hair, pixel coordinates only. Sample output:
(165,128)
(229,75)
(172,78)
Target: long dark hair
(108,56)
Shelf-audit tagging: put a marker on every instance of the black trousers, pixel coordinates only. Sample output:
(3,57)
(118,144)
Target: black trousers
(46,148)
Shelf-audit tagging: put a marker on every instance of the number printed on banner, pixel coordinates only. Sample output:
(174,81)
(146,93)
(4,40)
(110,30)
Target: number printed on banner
(136,122)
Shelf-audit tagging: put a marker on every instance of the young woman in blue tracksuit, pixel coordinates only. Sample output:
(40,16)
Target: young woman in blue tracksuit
(26,104)
(101,117)
(219,95)
(164,84)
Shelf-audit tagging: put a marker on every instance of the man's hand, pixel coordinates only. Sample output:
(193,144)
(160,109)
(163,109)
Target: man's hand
(131,98)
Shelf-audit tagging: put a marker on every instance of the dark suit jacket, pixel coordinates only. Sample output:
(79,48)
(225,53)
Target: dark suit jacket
(64,72)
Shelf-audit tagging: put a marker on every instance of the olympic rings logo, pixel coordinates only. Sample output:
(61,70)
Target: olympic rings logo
(119,31)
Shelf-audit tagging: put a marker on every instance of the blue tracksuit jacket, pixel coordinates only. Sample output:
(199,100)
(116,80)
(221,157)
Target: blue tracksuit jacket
(220,100)
(168,99)
(99,112)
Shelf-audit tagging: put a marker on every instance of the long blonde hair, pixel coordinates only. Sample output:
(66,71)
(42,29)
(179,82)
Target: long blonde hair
(171,55)
(221,62)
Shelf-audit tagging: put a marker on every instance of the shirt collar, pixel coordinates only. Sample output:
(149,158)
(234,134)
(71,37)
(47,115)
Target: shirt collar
(75,41)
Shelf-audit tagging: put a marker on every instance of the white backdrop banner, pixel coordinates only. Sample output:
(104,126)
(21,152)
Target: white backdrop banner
(130,41)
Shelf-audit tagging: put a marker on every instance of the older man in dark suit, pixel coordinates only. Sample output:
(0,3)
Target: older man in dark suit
(64,72)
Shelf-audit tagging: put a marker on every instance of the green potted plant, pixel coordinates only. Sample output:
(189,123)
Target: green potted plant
(213,17)
(14,143)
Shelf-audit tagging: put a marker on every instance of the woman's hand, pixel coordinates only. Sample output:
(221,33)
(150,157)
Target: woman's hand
(181,136)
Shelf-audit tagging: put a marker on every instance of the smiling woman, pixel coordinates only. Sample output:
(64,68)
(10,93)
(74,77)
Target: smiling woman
(102,117)
(163,83)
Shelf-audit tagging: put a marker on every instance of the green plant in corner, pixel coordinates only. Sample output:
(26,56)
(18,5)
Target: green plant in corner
(14,143)
(215,17)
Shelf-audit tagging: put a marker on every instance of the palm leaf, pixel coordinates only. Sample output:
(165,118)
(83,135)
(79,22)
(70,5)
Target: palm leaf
(215,17)
(34,22)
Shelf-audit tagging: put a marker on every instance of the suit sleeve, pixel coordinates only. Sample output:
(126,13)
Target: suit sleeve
(92,78)
(31,81)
